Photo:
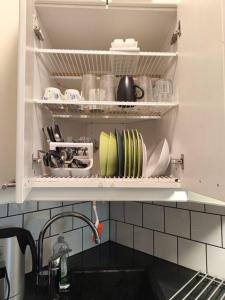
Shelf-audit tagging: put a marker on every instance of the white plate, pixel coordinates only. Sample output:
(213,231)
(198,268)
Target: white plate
(159,160)
(145,159)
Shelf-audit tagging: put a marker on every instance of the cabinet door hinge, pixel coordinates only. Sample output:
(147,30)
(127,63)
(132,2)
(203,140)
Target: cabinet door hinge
(178,161)
(176,34)
(10,184)
(37,29)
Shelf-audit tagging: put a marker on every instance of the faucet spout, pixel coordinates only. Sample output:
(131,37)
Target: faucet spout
(52,220)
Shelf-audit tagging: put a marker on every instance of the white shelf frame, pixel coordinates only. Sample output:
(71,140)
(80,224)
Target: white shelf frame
(106,109)
(106,189)
(99,182)
(76,63)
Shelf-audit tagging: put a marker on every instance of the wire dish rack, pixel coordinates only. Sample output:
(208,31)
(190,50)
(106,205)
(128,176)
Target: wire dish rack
(67,63)
(107,109)
(201,287)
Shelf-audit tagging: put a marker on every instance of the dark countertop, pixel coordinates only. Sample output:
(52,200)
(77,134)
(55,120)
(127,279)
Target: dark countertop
(166,278)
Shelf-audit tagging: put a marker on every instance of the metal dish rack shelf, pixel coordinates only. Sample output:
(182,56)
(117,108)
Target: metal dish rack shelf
(201,287)
(106,109)
(62,63)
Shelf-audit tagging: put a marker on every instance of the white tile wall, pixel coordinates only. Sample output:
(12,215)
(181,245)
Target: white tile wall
(3,210)
(177,222)
(143,240)
(35,221)
(47,249)
(206,228)
(15,221)
(215,209)
(192,255)
(113,230)
(124,234)
(169,204)
(64,224)
(133,213)
(216,261)
(51,204)
(191,206)
(16,209)
(74,239)
(165,246)
(82,208)
(223,231)
(153,217)
(88,241)
(117,211)
(190,234)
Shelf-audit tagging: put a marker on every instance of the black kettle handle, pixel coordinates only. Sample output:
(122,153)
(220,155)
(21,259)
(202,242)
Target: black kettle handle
(142,92)
(29,241)
(24,238)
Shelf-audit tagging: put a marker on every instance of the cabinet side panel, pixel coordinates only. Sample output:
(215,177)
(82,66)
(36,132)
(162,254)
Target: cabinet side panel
(9,21)
(25,95)
(200,128)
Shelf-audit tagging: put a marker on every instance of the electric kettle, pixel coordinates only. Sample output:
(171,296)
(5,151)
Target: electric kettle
(13,243)
(127,90)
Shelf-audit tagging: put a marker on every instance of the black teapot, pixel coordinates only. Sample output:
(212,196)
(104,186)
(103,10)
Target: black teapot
(127,90)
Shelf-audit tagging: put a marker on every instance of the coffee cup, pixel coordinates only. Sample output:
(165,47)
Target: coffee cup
(72,94)
(52,93)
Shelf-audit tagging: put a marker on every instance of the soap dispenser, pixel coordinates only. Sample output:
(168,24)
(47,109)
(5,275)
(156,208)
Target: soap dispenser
(62,249)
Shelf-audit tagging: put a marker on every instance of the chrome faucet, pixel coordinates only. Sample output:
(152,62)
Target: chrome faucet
(46,226)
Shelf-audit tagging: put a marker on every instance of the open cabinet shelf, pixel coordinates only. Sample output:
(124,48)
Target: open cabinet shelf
(103,189)
(75,63)
(106,109)
(99,182)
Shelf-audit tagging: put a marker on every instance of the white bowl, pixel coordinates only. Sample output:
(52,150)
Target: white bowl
(159,160)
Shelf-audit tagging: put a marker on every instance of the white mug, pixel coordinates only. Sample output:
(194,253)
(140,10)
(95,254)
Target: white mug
(72,94)
(52,93)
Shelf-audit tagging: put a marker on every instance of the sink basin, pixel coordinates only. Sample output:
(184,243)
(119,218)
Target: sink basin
(111,284)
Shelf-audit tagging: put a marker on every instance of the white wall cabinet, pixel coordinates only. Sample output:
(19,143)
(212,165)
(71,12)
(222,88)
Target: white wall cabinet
(8,88)
(196,129)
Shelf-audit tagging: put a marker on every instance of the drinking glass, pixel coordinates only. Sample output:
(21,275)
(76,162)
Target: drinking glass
(145,83)
(107,88)
(163,90)
(89,82)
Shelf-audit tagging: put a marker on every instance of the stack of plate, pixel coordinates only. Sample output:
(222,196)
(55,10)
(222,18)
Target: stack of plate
(122,155)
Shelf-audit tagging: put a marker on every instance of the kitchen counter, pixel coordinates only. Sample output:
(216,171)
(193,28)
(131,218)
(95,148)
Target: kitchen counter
(165,277)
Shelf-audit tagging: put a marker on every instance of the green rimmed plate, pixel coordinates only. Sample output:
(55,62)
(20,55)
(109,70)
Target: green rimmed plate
(103,152)
(125,144)
(130,150)
(111,168)
(120,153)
(139,154)
(135,154)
